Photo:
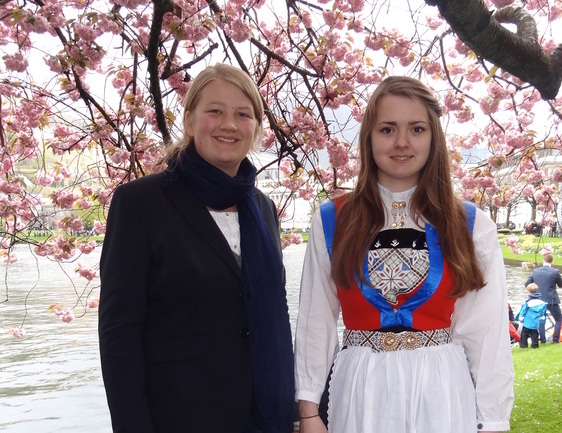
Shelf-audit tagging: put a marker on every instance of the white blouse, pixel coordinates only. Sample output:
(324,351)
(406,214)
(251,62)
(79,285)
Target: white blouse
(230,227)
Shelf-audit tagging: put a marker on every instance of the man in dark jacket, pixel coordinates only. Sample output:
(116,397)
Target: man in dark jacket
(547,278)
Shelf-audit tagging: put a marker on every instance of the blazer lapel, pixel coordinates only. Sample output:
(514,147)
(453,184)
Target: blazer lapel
(202,222)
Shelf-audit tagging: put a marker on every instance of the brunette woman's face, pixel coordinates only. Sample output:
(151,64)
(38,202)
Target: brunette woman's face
(223,125)
(400,141)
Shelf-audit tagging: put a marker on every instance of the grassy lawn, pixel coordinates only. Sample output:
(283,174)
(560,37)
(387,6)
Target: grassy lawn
(531,245)
(33,239)
(538,390)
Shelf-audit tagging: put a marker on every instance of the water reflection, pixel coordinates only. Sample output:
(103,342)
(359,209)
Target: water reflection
(50,380)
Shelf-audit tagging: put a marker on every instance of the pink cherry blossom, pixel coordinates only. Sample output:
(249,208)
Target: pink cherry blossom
(87,247)
(10,257)
(78,118)
(99,227)
(17,331)
(64,314)
(63,199)
(16,62)
(453,102)
(92,302)
(87,272)
(296,238)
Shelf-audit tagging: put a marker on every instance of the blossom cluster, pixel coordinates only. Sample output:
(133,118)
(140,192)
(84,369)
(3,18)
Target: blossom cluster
(81,112)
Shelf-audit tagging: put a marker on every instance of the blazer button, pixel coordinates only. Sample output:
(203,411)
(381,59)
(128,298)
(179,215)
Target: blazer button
(241,296)
(245,332)
(479,426)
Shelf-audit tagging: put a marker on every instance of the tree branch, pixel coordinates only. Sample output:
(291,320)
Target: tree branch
(160,9)
(519,54)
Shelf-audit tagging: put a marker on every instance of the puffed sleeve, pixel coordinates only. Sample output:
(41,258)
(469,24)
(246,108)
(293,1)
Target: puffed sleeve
(316,341)
(480,324)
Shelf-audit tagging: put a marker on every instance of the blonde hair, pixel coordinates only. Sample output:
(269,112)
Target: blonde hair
(547,258)
(532,288)
(232,75)
(362,215)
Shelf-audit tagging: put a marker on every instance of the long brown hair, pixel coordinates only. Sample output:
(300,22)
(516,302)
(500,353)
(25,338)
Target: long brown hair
(362,215)
(231,74)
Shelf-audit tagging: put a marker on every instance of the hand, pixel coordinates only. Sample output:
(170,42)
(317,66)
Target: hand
(312,425)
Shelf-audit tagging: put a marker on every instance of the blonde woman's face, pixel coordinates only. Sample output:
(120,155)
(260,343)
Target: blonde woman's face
(400,141)
(223,125)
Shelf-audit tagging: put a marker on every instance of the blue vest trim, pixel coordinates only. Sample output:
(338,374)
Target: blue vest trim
(328,214)
(470,209)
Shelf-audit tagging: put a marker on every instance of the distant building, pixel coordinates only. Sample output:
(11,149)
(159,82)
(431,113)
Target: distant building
(297,212)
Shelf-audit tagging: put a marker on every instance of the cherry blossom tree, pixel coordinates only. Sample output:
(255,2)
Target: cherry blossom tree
(91,95)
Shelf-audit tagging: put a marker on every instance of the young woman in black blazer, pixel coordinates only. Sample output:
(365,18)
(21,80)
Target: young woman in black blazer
(193,320)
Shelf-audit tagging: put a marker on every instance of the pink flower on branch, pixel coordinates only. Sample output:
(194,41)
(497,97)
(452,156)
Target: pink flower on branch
(334,19)
(434,23)
(87,247)
(92,303)
(86,272)
(43,179)
(546,198)
(99,227)
(16,62)
(9,257)
(339,154)
(71,224)
(65,315)
(512,242)
(63,198)
(60,248)
(292,238)
(17,331)
(547,249)
(453,102)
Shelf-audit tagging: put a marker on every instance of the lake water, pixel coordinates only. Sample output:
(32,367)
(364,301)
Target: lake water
(50,380)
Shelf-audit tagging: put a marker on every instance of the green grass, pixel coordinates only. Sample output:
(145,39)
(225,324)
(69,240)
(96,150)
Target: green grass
(531,245)
(538,390)
(31,238)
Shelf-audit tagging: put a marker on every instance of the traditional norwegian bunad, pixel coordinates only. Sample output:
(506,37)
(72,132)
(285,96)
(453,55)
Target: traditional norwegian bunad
(413,358)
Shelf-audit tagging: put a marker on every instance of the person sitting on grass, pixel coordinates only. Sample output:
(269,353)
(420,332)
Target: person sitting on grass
(531,313)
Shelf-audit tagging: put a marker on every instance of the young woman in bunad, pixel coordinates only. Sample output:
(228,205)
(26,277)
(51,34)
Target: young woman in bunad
(420,281)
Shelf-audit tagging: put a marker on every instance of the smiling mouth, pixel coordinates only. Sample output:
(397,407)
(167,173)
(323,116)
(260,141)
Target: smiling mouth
(400,158)
(226,139)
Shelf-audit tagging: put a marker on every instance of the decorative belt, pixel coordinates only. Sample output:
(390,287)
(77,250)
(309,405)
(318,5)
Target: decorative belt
(379,341)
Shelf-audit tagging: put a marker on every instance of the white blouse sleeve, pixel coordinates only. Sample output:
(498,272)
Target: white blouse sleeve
(480,325)
(316,341)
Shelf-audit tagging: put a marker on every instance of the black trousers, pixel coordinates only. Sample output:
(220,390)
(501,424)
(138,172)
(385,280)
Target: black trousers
(533,334)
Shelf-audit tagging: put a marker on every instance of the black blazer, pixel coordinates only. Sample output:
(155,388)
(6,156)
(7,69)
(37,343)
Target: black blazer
(173,330)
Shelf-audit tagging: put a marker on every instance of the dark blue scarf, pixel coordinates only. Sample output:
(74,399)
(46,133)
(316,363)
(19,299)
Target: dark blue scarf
(264,285)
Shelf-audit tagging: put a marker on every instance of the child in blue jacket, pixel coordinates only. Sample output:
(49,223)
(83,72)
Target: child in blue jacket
(531,313)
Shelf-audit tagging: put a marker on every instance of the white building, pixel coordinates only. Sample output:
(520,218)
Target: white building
(297,211)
